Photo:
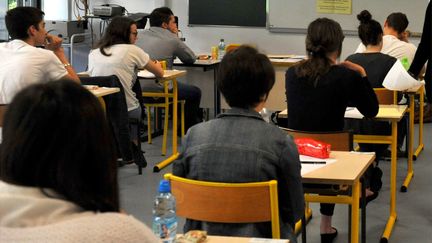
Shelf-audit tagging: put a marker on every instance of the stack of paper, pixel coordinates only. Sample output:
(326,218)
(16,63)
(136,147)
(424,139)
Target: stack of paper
(399,79)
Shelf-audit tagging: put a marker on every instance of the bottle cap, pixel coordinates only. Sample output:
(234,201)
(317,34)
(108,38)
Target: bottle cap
(222,40)
(164,186)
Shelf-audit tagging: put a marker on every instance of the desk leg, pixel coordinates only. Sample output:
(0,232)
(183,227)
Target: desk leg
(393,169)
(420,139)
(355,212)
(410,135)
(175,154)
(217,99)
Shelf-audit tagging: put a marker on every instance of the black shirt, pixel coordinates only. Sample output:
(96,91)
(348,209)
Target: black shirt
(376,65)
(322,108)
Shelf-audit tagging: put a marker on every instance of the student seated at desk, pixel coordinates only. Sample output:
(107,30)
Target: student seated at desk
(58,170)
(117,54)
(239,146)
(376,65)
(161,42)
(319,90)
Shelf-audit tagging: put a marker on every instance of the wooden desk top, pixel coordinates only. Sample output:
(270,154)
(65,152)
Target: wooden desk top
(385,113)
(171,74)
(197,63)
(102,91)
(347,169)
(231,239)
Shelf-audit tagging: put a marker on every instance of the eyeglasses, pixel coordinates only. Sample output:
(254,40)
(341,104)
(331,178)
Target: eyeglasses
(134,33)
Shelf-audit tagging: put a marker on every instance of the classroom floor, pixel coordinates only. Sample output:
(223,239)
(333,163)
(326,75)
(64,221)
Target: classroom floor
(414,221)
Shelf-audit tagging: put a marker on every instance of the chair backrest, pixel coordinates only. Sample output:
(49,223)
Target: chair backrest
(227,202)
(385,96)
(116,111)
(339,140)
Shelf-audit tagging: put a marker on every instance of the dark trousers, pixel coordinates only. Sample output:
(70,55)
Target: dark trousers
(190,93)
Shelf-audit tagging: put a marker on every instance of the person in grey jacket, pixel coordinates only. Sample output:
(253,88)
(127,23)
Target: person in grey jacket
(162,43)
(239,146)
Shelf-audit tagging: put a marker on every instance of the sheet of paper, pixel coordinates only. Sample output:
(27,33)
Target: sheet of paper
(399,79)
(306,168)
(352,112)
(145,74)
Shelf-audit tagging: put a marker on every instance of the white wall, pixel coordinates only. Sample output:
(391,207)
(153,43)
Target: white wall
(200,39)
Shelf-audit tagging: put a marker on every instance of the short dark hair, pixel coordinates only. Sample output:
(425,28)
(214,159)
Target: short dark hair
(56,136)
(159,16)
(324,36)
(398,21)
(369,30)
(245,77)
(117,32)
(19,19)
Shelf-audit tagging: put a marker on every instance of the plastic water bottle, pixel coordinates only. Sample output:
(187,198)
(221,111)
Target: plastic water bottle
(164,214)
(221,48)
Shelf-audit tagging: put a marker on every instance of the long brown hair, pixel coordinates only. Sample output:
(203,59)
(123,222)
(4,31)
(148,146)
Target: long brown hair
(117,32)
(324,36)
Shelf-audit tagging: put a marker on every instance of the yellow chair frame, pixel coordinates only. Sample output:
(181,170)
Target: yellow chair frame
(201,200)
(167,96)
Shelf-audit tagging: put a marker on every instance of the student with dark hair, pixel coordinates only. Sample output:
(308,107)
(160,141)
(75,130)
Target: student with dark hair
(319,90)
(117,55)
(394,28)
(161,42)
(376,65)
(21,63)
(58,175)
(239,146)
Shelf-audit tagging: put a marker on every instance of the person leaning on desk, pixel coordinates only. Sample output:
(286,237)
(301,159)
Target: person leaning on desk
(58,170)
(319,90)
(239,146)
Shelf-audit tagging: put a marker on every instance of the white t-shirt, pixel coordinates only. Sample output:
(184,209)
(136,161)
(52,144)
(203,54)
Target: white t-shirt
(394,47)
(22,65)
(124,62)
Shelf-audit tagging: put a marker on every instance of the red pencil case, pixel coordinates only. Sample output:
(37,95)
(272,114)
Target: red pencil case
(313,148)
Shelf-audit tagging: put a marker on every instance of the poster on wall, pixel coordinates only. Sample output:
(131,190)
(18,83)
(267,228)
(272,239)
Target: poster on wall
(334,6)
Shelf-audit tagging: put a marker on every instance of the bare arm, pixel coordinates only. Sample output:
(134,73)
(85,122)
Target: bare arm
(54,44)
(354,67)
(155,68)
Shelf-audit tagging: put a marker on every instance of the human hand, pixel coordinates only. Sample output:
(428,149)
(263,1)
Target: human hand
(354,67)
(53,42)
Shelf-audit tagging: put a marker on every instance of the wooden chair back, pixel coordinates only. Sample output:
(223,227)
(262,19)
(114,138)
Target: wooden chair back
(340,140)
(226,202)
(385,96)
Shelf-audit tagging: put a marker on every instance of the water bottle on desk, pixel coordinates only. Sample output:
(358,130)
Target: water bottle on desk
(164,214)
(221,48)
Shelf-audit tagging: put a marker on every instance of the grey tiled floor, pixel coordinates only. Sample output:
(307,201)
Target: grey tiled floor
(414,221)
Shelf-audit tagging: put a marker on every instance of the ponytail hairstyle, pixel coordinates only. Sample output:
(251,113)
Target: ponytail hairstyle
(369,30)
(324,36)
(117,32)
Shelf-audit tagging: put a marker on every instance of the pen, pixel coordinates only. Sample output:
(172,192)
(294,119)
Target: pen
(313,162)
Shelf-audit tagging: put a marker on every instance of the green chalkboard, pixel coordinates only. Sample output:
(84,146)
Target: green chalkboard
(250,13)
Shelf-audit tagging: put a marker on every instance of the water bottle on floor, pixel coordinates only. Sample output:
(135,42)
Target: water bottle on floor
(164,214)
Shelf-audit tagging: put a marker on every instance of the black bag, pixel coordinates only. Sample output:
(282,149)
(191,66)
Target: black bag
(375,179)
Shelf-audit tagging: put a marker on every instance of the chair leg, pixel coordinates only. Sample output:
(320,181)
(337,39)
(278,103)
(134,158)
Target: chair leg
(165,131)
(149,138)
(182,118)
